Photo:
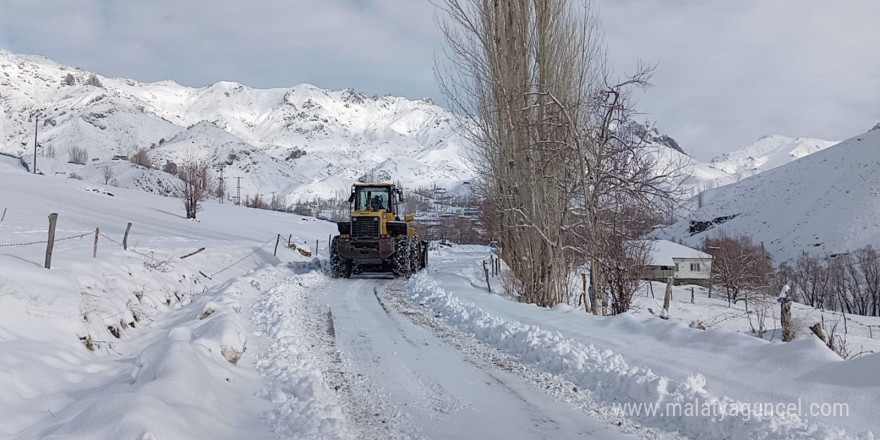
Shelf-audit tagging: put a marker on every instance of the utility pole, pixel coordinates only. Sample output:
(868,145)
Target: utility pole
(238,191)
(36,128)
(222,192)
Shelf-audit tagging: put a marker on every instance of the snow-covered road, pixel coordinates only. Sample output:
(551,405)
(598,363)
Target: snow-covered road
(432,388)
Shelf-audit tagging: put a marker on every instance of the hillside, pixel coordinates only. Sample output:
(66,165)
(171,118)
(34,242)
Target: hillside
(823,203)
(302,142)
(767,153)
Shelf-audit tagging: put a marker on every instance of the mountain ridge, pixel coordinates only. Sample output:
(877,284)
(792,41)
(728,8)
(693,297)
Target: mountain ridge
(313,143)
(826,202)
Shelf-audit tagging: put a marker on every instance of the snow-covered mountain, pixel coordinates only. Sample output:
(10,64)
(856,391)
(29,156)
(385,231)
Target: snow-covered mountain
(767,153)
(302,142)
(826,202)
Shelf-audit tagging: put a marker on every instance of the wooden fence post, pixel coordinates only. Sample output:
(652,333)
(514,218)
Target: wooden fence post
(692,295)
(785,317)
(316,247)
(289,236)
(95,250)
(125,238)
(817,329)
(486,271)
(53,218)
(192,253)
(4,215)
(667,299)
(587,303)
(277,240)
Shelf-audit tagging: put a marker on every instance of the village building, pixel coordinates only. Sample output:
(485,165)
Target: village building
(684,264)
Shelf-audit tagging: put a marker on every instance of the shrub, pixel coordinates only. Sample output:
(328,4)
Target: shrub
(141,157)
(77,155)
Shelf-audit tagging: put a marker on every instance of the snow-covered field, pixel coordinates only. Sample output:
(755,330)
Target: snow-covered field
(639,358)
(163,334)
(235,342)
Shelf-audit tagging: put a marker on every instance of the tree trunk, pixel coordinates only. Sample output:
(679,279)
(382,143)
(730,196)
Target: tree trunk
(597,298)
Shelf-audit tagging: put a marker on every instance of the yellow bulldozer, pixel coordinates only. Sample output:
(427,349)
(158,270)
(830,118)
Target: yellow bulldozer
(375,239)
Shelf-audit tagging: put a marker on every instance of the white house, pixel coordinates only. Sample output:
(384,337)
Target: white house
(685,265)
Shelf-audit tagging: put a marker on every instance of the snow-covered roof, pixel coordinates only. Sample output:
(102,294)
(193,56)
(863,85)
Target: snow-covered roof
(663,253)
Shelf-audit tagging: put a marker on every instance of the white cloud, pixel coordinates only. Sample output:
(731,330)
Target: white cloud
(729,72)
(378,47)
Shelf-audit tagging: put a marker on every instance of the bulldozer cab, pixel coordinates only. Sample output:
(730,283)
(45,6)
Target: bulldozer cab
(375,197)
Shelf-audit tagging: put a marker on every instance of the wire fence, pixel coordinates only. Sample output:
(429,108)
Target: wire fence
(130,249)
(43,241)
(243,258)
(148,256)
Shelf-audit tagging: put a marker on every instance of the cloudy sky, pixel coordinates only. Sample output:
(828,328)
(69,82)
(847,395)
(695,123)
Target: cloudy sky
(727,72)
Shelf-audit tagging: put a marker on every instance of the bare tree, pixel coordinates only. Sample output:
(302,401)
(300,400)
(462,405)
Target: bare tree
(196,185)
(460,230)
(107,173)
(255,202)
(220,192)
(94,81)
(69,80)
(869,268)
(77,155)
(141,157)
(515,65)
(623,255)
(278,203)
(531,81)
(810,281)
(738,266)
(303,209)
(170,167)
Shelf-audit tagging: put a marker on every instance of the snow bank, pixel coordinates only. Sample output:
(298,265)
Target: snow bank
(182,384)
(304,407)
(611,380)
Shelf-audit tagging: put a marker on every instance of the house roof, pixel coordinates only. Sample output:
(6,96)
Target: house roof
(663,253)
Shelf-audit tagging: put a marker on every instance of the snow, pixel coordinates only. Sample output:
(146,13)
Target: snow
(663,253)
(276,140)
(767,153)
(235,342)
(343,134)
(305,406)
(641,358)
(182,365)
(243,340)
(444,385)
(820,204)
